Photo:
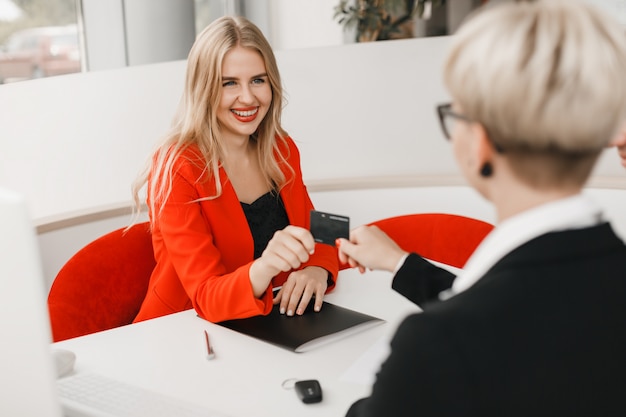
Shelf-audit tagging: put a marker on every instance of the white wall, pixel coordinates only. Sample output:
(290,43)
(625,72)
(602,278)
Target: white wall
(303,24)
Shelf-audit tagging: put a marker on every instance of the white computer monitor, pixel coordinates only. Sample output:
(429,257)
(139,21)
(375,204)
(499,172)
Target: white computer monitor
(27,371)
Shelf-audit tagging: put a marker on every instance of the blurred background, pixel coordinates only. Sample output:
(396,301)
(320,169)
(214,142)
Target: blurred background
(42,38)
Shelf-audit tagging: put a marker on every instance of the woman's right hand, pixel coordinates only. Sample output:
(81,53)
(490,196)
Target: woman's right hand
(369,247)
(288,249)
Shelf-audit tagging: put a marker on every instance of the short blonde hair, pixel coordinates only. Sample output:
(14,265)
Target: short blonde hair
(195,122)
(542,77)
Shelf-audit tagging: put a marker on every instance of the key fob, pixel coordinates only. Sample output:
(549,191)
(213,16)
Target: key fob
(309,391)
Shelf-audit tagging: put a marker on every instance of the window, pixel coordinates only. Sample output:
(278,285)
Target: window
(38,38)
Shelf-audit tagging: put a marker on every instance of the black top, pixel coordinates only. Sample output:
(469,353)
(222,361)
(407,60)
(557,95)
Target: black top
(265,216)
(542,333)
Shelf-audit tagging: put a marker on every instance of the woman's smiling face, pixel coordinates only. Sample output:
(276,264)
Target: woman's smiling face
(246,94)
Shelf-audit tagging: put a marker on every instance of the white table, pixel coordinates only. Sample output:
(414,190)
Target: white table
(168,355)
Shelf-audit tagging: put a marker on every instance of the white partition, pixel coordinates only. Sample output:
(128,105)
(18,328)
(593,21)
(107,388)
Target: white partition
(71,144)
(368,109)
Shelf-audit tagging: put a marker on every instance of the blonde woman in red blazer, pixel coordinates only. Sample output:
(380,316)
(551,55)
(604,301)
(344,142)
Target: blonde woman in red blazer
(228,208)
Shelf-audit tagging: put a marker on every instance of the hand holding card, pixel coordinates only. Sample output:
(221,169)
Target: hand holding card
(328,227)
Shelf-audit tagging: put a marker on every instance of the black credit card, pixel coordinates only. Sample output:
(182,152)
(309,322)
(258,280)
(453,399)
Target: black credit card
(327,227)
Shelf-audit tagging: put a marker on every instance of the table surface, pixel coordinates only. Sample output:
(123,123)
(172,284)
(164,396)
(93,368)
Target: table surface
(168,355)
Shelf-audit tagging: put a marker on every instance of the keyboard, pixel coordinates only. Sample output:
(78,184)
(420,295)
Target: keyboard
(94,395)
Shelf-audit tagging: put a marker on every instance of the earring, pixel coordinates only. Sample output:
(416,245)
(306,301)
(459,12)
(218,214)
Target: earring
(486,170)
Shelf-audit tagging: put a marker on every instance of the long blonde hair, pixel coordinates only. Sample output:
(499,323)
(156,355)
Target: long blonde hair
(195,121)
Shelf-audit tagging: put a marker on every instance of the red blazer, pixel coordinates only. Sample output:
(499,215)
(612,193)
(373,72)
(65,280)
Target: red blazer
(204,249)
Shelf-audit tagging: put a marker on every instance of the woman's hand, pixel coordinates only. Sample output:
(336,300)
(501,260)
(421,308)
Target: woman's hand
(288,249)
(300,288)
(369,247)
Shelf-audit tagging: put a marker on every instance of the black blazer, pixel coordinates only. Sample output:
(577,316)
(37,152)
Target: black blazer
(543,333)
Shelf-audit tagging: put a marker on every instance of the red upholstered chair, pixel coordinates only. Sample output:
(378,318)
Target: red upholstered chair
(441,237)
(103,285)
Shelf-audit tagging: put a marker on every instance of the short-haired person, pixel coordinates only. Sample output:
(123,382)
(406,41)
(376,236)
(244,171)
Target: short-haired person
(535,325)
(228,208)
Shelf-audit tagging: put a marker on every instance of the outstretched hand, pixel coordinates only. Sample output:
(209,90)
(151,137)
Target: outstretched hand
(369,248)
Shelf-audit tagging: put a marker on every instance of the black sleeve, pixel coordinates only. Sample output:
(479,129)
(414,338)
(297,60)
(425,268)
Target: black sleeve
(424,375)
(420,281)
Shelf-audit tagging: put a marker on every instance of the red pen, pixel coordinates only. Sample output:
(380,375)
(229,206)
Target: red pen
(210,354)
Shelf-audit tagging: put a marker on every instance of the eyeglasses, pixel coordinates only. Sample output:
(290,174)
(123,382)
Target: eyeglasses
(448,119)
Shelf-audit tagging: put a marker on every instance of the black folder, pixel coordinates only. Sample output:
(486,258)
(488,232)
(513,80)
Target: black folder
(305,332)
